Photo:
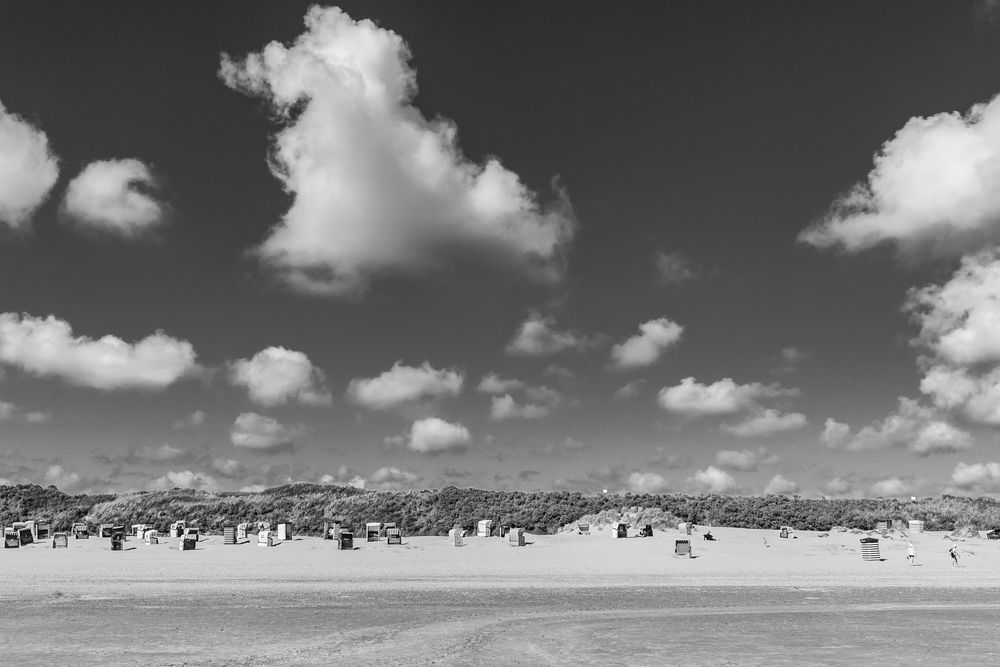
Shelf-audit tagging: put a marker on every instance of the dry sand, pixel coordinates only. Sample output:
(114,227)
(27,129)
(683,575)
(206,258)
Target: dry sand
(562,599)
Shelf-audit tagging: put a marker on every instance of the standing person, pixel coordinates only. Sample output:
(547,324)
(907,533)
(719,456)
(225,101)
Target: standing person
(911,553)
(954,555)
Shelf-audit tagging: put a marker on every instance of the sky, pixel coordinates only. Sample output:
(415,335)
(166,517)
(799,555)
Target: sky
(691,247)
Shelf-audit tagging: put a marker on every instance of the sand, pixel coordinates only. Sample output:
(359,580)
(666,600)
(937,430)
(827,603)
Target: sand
(561,599)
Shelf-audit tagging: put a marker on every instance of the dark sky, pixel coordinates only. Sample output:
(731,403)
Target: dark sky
(707,134)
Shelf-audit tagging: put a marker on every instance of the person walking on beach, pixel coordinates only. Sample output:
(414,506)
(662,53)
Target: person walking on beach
(954,555)
(911,553)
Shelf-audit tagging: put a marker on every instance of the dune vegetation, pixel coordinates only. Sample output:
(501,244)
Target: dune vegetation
(434,512)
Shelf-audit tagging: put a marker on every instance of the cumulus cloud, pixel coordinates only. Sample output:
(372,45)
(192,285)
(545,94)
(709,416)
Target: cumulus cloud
(390,478)
(185,479)
(193,420)
(402,385)
(344,477)
(262,434)
(673,268)
(505,407)
(780,486)
(747,460)
(276,376)
(161,453)
(932,188)
(835,433)
(28,169)
(644,349)
(433,435)
(494,384)
(115,196)
(47,347)
(538,336)
(63,479)
(377,188)
(891,486)
(918,428)
(766,422)
(723,397)
(12,412)
(981,476)
(646,482)
(629,390)
(713,480)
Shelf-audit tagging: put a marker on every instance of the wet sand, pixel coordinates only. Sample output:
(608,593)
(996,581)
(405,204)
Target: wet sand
(561,600)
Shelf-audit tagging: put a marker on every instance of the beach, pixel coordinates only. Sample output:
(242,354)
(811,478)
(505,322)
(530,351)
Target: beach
(561,599)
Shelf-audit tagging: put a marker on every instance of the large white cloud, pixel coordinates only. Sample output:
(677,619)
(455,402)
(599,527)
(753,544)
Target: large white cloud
(28,169)
(377,187)
(780,485)
(402,385)
(723,397)
(275,376)
(433,435)
(934,186)
(646,482)
(185,479)
(713,480)
(262,434)
(982,476)
(115,196)
(918,428)
(646,348)
(47,347)
(538,336)
(767,421)
(746,460)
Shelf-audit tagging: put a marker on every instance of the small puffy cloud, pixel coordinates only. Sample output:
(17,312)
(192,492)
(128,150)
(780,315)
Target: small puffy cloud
(405,385)
(932,188)
(630,390)
(376,187)
(747,460)
(763,422)
(838,486)
(47,347)
(261,434)
(390,478)
(981,476)
(789,358)
(918,428)
(564,448)
(673,268)
(433,435)
(114,196)
(164,452)
(12,412)
(724,397)
(185,479)
(891,486)
(644,349)
(344,477)
(505,407)
(228,467)
(713,480)
(538,336)
(65,480)
(276,376)
(28,169)
(780,486)
(835,433)
(494,384)
(646,482)
(193,420)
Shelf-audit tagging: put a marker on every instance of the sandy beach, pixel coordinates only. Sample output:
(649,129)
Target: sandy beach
(561,599)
